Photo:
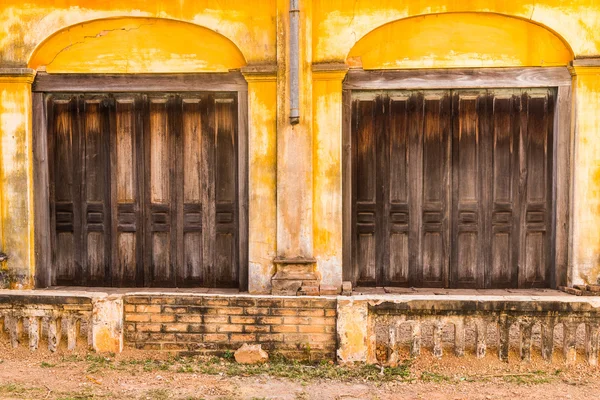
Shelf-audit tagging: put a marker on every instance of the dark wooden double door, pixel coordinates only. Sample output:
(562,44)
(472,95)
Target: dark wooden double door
(453,188)
(143,189)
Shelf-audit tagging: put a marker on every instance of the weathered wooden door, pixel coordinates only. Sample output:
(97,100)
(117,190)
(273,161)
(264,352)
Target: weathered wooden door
(452,188)
(144,189)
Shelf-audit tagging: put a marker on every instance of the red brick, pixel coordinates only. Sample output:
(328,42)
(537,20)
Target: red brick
(137,317)
(130,327)
(137,300)
(129,308)
(175,327)
(242,320)
(213,319)
(257,328)
(148,327)
(143,308)
(256,311)
(189,300)
(188,337)
(296,320)
(243,337)
(147,346)
(162,337)
(178,310)
(270,337)
(298,303)
(189,318)
(311,313)
(269,303)
(162,318)
(230,328)
(217,302)
(201,328)
(230,311)
(330,313)
(174,346)
(242,302)
(268,320)
(162,300)
(311,328)
(323,303)
(284,311)
(216,337)
(284,328)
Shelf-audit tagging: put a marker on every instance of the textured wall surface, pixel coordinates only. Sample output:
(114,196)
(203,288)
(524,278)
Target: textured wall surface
(295,172)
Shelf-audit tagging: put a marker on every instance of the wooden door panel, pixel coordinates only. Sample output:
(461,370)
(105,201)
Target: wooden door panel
(144,189)
(64,189)
(396,265)
(476,163)
(503,263)
(127,268)
(226,188)
(96,246)
(436,168)
(467,224)
(535,231)
(364,192)
(193,270)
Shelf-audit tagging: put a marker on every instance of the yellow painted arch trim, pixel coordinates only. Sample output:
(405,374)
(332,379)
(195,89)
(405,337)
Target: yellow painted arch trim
(460,40)
(136,45)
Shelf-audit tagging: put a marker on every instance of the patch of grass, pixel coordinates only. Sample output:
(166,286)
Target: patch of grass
(427,376)
(45,364)
(228,355)
(158,394)
(96,362)
(15,388)
(306,371)
(533,378)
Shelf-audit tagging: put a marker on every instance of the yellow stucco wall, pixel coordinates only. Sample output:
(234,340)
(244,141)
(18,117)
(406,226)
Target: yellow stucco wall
(248,24)
(295,184)
(338,24)
(16,201)
(586,200)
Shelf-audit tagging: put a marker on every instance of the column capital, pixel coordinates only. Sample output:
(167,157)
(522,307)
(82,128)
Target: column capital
(585,66)
(260,72)
(329,71)
(17,75)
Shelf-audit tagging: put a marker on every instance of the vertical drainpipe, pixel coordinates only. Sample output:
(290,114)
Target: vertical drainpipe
(294,55)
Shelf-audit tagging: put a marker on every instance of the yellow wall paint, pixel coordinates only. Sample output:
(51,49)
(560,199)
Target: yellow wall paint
(339,24)
(16,182)
(586,200)
(295,187)
(262,143)
(459,40)
(248,24)
(140,45)
(327,174)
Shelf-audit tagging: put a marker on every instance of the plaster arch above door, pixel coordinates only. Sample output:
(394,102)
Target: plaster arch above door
(459,40)
(136,45)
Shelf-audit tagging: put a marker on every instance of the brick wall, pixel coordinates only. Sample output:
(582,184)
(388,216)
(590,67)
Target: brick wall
(297,328)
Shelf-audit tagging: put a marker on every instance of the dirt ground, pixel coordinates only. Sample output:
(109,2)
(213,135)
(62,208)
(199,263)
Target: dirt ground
(156,376)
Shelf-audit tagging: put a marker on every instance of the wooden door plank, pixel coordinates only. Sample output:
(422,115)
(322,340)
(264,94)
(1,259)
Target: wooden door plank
(191,270)
(226,263)
(415,160)
(397,196)
(208,191)
(42,164)
(365,197)
(436,170)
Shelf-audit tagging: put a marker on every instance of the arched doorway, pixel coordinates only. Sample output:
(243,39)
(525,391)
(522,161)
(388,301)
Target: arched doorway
(139,119)
(454,171)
